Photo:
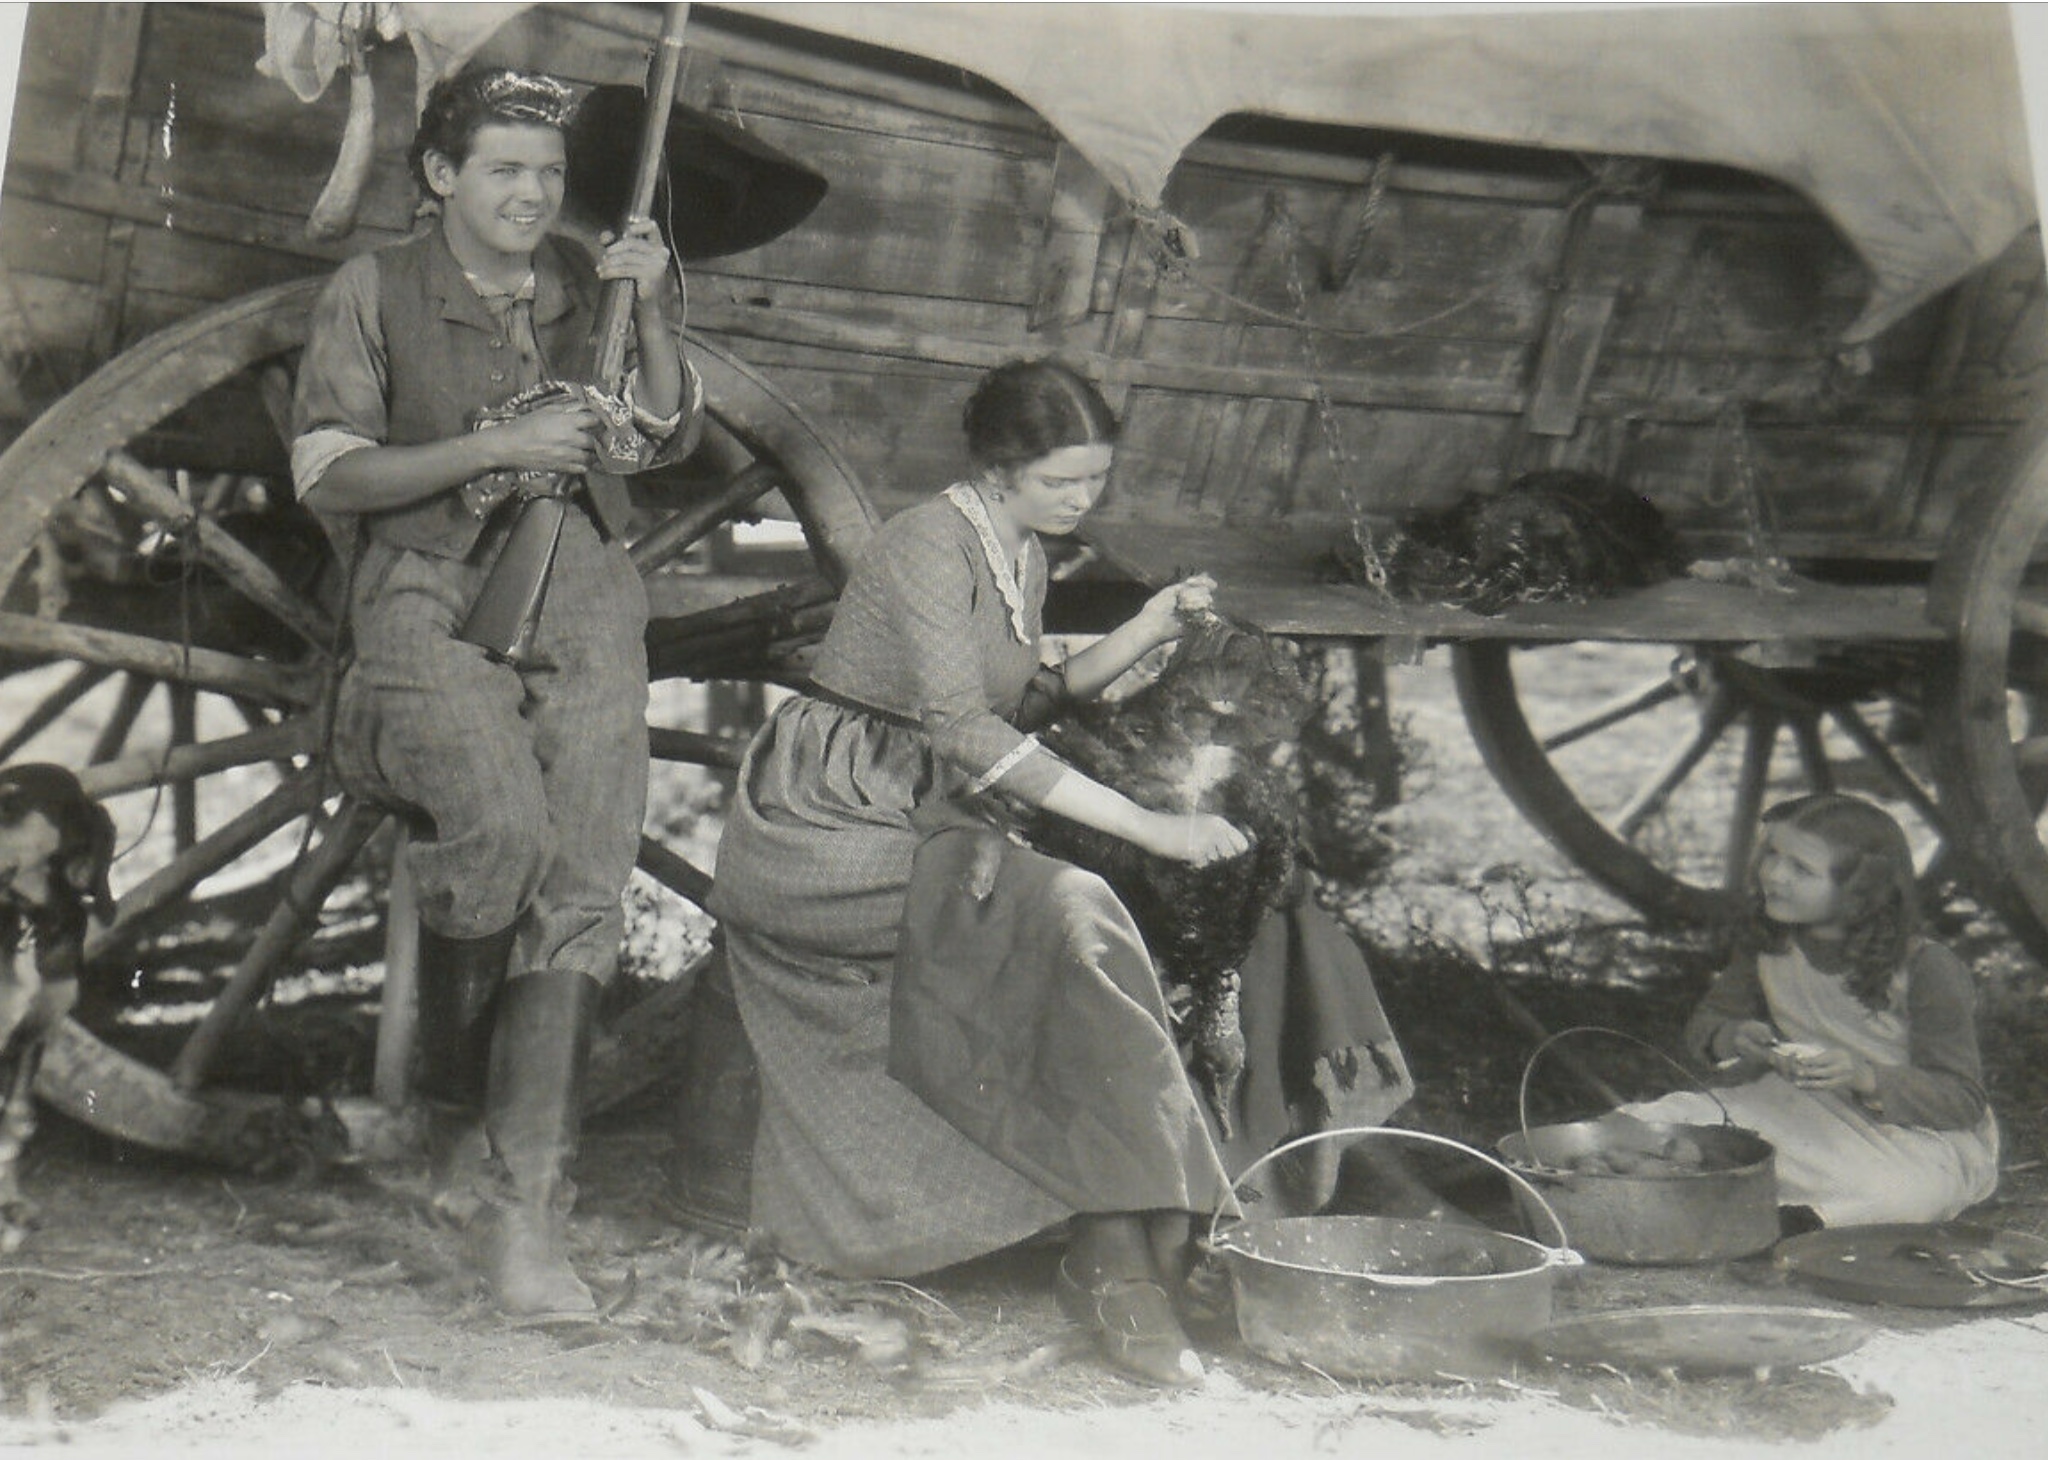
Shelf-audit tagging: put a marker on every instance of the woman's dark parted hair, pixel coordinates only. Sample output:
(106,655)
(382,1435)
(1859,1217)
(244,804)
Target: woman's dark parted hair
(1873,867)
(1026,409)
(460,106)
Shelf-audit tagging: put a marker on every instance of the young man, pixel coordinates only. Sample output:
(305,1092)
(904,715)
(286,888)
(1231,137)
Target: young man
(527,780)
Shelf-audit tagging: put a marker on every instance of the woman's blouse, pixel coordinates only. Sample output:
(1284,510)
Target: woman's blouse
(939,628)
(1942,1084)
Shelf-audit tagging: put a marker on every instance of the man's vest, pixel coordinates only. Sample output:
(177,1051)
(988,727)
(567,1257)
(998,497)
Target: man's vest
(449,358)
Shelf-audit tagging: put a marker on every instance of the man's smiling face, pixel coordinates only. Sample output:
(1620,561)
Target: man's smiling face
(505,196)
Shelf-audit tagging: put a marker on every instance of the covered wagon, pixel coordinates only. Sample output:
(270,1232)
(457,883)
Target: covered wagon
(1775,270)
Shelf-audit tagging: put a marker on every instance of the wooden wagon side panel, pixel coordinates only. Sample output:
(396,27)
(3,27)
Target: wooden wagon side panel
(60,260)
(916,271)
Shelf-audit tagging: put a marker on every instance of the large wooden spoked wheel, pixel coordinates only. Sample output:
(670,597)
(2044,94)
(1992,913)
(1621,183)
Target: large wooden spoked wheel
(1990,756)
(1653,781)
(168,628)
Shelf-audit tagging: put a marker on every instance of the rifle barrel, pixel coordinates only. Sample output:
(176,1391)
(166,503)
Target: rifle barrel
(616,308)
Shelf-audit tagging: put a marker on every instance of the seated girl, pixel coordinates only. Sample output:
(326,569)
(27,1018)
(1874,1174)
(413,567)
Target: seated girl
(1852,1037)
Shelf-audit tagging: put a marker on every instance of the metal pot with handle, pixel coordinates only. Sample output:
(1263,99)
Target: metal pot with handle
(1646,1192)
(1364,1297)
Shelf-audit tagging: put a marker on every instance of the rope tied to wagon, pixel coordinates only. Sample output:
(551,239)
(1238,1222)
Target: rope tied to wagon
(1346,263)
(1170,245)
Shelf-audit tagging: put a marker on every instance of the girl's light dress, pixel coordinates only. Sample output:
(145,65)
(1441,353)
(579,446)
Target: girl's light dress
(1853,1161)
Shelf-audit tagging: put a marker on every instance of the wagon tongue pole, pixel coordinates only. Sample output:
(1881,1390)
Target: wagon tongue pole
(507,610)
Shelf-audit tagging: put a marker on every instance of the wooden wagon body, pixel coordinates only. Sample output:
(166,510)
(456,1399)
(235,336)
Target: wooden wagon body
(1312,331)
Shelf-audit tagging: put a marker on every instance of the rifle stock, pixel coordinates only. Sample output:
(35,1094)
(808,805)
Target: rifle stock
(506,613)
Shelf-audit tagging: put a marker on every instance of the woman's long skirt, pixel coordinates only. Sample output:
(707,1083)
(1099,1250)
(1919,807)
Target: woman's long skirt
(854,1172)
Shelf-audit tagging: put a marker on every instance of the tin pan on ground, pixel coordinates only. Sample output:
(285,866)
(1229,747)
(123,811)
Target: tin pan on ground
(1362,1297)
(1645,1192)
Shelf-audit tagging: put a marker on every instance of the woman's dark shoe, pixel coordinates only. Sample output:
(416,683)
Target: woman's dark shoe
(1204,1297)
(1135,1328)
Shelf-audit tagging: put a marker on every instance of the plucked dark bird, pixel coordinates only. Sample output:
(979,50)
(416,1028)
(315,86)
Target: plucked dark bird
(1211,733)
(1552,535)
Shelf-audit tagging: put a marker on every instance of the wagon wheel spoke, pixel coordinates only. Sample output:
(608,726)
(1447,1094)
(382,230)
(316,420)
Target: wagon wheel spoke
(685,529)
(212,669)
(256,580)
(175,881)
(1716,716)
(2030,615)
(690,747)
(113,736)
(1660,691)
(51,707)
(674,871)
(1813,752)
(1889,765)
(271,744)
(306,892)
(1752,782)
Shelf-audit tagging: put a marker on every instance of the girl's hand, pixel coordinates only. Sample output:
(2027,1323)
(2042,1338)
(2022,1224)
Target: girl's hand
(1197,839)
(1825,1067)
(1752,1041)
(637,254)
(1166,612)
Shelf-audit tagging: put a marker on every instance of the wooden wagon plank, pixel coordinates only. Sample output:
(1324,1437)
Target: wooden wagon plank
(200,217)
(1280,579)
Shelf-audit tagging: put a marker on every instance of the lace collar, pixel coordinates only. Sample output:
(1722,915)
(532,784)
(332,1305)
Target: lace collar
(1000,567)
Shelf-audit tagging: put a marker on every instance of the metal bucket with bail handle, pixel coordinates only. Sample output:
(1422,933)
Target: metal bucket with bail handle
(1363,1297)
(1647,1192)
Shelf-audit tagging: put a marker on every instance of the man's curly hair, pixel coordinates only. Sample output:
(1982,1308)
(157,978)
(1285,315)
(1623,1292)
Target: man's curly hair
(1872,865)
(459,106)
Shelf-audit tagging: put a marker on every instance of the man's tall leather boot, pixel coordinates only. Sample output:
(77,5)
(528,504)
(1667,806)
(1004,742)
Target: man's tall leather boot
(458,994)
(533,1115)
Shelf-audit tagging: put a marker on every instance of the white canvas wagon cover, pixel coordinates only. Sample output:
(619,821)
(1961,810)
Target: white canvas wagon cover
(1902,123)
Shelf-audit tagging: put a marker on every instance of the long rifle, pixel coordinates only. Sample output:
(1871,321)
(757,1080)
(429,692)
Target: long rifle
(506,614)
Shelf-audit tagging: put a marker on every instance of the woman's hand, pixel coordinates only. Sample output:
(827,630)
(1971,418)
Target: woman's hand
(1197,839)
(1825,1067)
(1166,612)
(637,254)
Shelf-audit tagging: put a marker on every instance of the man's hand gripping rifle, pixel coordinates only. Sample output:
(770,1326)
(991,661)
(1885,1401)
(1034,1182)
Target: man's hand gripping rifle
(506,614)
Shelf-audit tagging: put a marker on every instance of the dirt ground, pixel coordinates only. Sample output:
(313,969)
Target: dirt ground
(163,1308)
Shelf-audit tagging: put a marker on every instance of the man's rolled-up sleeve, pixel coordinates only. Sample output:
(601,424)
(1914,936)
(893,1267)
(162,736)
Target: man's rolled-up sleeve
(339,404)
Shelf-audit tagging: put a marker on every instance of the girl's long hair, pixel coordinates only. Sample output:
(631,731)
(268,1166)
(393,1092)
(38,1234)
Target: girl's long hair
(1872,865)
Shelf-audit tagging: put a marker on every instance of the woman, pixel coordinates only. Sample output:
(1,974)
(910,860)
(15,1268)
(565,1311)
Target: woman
(932,655)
